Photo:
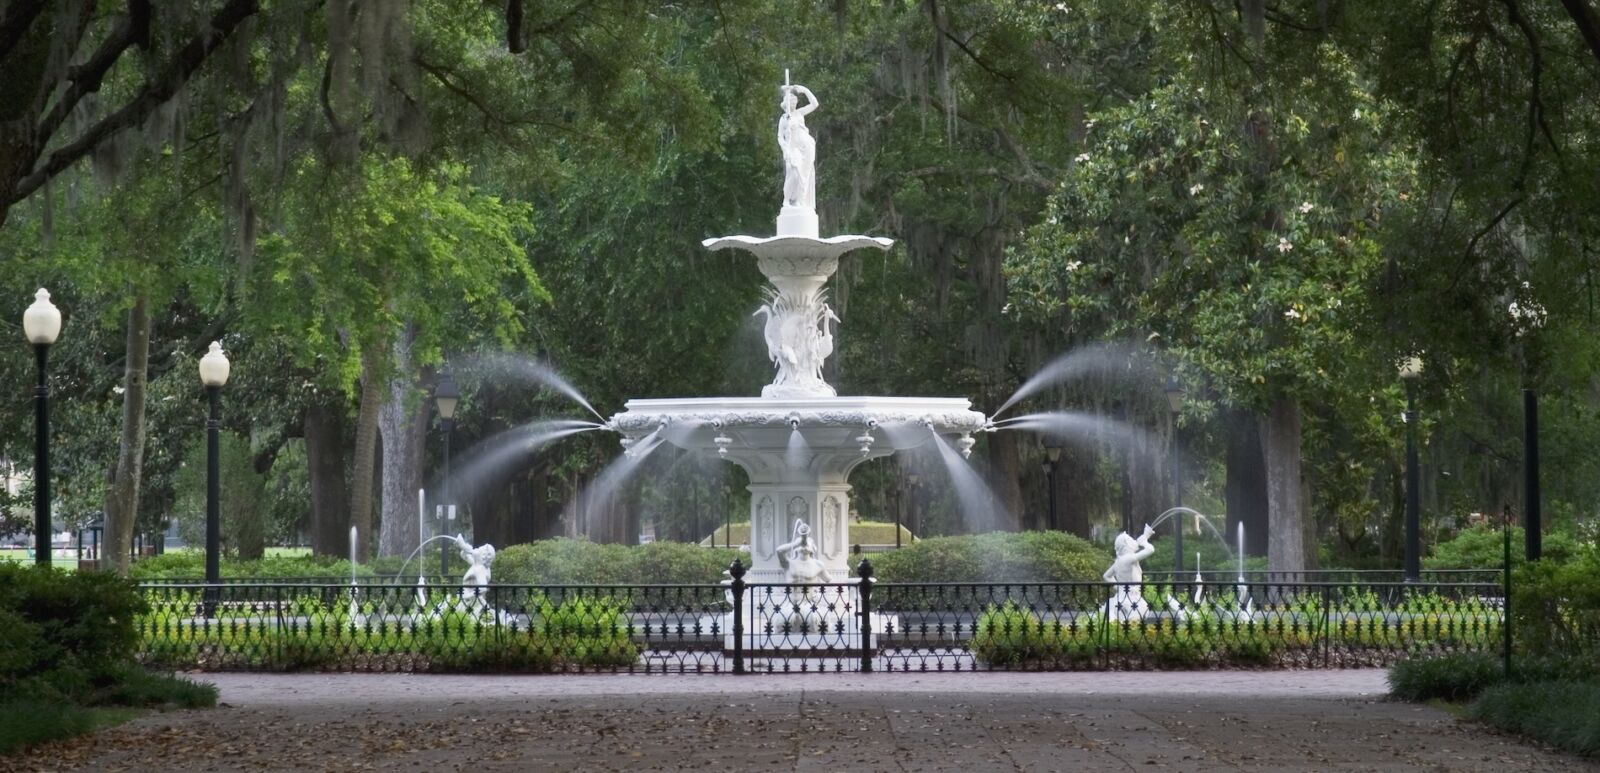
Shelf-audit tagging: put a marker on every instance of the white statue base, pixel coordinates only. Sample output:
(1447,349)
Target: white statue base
(798,221)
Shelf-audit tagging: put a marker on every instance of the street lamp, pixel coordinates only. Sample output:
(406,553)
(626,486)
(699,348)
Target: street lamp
(445,397)
(1174,390)
(213,375)
(1410,371)
(1052,454)
(41,323)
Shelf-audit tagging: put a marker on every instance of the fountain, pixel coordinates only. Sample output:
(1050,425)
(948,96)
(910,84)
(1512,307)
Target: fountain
(799,440)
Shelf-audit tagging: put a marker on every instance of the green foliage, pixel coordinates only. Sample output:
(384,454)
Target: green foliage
(1033,556)
(1450,677)
(444,634)
(1563,714)
(243,498)
(138,688)
(78,628)
(1483,547)
(1556,607)
(25,723)
(1010,636)
(67,643)
(191,565)
(581,562)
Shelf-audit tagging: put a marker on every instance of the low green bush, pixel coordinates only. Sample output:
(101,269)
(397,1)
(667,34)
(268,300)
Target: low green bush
(581,562)
(1450,677)
(64,633)
(191,565)
(1555,606)
(1563,714)
(1483,547)
(437,634)
(1030,556)
(67,647)
(1010,636)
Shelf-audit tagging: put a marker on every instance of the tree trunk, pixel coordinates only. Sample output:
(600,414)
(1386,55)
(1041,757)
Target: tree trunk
(1286,547)
(1073,475)
(1005,478)
(330,497)
(122,498)
(402,427)
(361,477)
(1245,488)
(1148,478)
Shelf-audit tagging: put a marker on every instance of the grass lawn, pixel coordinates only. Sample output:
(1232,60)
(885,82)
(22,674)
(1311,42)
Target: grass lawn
(25,723)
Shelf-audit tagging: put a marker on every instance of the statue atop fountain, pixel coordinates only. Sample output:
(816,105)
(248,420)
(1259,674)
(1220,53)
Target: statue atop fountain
(799,162)
(1128,604)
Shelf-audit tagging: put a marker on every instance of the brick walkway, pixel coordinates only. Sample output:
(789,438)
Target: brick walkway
(1251,721)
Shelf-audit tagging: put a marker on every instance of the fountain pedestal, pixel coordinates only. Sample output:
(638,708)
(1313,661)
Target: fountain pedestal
(799,455)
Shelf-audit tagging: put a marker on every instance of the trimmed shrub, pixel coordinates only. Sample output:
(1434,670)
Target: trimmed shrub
(78,629)
(1030,556)
(1556,606)
(191,565)
(1482,547)
(1010,636)
(581,562)
(1563,714)
(1449,677)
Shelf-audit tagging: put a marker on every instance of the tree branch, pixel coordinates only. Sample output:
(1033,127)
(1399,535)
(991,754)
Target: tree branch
(87,77)
(15,23)
(1587,22)
(155,93)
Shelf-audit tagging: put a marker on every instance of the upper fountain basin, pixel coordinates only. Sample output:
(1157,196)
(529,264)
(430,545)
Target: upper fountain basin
(797,256)
(742,426)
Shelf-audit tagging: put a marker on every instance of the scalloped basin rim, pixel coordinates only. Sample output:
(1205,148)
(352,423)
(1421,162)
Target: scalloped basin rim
(851,241)
(949,413)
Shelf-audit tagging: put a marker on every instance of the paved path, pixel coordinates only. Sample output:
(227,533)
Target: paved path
(1229,721)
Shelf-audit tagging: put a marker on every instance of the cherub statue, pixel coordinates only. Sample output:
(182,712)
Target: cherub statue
(476,580)
(1128,603)
(802,567)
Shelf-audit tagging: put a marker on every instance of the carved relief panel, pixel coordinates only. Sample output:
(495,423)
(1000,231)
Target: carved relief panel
(765,539)
(832,530)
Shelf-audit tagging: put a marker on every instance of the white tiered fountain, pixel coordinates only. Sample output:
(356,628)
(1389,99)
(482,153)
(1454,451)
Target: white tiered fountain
(799,440)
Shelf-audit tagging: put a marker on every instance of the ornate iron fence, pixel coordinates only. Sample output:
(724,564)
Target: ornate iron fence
(855,625)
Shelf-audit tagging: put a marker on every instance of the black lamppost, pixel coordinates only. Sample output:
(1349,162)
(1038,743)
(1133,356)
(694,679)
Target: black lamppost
(1174,392)
(1410,371)
(445,397)
(1052,454)
(41,323)
(213,375)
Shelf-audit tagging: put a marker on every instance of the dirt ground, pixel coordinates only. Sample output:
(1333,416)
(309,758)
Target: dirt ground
(1233,721)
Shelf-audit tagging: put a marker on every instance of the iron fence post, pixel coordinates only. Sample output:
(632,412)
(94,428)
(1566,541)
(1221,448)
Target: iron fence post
(1327,621)
(278,634)
(1105,629)
(864,571)
(1505,605)
(736,571)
